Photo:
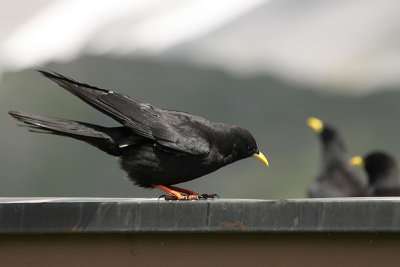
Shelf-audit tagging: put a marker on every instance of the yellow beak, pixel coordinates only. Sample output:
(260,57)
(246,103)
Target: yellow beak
(316,124)
(357,161)
(261,157)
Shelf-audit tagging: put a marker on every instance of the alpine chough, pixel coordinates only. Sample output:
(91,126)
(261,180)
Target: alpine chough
(335,177)
(383,174)
(156,147)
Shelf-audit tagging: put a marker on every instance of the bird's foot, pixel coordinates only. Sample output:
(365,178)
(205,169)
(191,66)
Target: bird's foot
(189,197)
(209,196)
(184,194)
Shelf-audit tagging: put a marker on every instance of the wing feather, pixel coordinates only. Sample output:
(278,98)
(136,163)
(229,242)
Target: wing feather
(173,129)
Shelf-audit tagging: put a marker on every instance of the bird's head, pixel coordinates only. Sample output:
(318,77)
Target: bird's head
(244,145)
(327,133)
(375,164)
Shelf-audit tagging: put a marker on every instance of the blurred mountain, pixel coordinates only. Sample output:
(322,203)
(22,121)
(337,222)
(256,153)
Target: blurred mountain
(273,110)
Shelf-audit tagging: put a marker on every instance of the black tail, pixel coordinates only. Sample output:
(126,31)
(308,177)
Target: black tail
(106,139)
(124,109)
(86,92)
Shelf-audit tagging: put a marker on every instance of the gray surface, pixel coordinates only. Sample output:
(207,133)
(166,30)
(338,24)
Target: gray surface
(61,215)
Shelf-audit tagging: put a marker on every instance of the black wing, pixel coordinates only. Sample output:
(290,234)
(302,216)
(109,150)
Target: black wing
(176,130)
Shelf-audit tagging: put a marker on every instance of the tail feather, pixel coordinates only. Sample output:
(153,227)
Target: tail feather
(98,136)
(86,92)
(99,99)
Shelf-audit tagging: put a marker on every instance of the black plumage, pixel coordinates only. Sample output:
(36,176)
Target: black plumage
(383,174)
(335,177)
(156,147)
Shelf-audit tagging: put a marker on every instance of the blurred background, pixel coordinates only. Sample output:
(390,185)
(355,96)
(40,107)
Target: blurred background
(263,65)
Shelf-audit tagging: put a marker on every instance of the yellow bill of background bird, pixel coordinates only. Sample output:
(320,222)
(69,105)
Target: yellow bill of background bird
(261,157)
(316,124)
(357,161)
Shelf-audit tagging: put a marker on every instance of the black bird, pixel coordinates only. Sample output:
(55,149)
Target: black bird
(336,177)
(383,174)
(156,147)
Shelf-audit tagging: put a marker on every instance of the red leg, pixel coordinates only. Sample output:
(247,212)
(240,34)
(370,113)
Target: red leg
(182,190)
(174,193)
(169,191)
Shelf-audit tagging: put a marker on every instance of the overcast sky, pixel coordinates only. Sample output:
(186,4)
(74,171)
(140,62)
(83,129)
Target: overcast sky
(333,43)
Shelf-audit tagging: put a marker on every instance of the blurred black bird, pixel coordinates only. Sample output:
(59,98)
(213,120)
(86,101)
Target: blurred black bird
(336,178)
(383,174)
(156,147)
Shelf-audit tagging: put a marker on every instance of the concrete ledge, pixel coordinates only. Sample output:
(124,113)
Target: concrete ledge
(115,215)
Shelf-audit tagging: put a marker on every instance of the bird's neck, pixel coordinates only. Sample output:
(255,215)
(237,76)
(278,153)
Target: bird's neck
(334,150)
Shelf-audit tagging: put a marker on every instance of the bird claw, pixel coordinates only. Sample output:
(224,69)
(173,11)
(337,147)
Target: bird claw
(189,197)
(207,196)
(164,197)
